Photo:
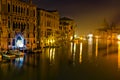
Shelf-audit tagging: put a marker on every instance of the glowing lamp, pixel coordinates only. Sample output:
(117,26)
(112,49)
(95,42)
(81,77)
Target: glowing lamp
(118,37)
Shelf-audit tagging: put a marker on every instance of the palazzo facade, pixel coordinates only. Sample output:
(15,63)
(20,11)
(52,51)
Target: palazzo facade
(17,24)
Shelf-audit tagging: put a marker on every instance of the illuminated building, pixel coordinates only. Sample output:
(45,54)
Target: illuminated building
(17,24)
(66,28)
(48,26)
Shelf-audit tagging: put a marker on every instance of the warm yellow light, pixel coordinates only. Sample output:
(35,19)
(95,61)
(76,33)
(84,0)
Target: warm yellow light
(75,36)
(71,38)
(90,35)
(53,41)
(96,37)
(118,37)
(81,38)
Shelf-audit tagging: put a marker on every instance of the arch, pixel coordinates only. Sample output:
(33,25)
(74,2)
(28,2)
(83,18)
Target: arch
(19,42)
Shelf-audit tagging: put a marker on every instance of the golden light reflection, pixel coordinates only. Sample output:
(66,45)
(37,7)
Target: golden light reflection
(80,57)
(73,47)
(52,55)
(118,54)
(73,51)
(90,45)
(96,50)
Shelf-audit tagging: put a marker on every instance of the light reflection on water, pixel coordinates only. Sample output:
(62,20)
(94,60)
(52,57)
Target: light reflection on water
(80,57)
(90,46)
(55,63)
(96,49)
(119,55)
(73,51)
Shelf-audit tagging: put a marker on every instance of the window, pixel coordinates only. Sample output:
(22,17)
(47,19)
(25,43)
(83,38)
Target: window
(8,43)
(34,28)
(13,43)
(8,24)
(13,25)
(28,36)
(8,7)
(13,8)
(34,41)
(27,26)
(48,23)
(16,9)
(19,9)
(33,12)
(34,35)
(9,35)
(27,11)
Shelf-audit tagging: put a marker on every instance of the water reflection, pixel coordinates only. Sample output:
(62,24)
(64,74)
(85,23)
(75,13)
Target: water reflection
(80,57)
(73,51)
(119,55)
(96,50)
(66,63)
(18,62)
(90,46)
(51,55)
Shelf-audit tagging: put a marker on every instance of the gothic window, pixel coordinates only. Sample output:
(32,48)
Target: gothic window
(19,9)
(27,11)
(13,8)
(16,9)
(13,25)
(33,12)
(8,24)
(8,7)
(9,35)
(13,43)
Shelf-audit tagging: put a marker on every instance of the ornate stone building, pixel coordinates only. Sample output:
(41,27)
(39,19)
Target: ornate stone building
(48,27)
(67,28)
(17,24)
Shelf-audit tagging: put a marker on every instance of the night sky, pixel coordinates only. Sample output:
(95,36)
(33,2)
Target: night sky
(88,14)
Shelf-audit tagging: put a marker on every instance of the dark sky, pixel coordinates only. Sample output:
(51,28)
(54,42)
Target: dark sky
(88,14)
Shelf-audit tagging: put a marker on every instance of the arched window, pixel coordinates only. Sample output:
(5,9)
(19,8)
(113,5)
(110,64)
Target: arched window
(8,24)
(13,8)
(19,9)
(27,26)
(13,25)
(13,43)
(16,9)
(19,26)
(8,7)
(27,11)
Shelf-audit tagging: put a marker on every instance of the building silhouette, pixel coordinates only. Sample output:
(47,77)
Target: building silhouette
(48,24)
(67,28)
(17,24)
(25,26)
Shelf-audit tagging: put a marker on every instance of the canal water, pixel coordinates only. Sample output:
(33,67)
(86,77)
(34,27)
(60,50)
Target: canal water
(87,60)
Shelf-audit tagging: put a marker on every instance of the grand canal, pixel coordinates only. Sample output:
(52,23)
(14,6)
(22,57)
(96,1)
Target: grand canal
(87,60)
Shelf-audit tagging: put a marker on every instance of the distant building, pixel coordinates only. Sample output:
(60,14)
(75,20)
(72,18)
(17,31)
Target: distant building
(17,24)
(48,26)
(67,28)
(107,33)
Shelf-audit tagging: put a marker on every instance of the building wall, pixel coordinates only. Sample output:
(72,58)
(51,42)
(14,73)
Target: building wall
(67,28)
(48,21)
(17,17)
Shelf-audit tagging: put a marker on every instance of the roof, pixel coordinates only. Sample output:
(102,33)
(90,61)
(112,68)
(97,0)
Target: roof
(66,18)
(47,10)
